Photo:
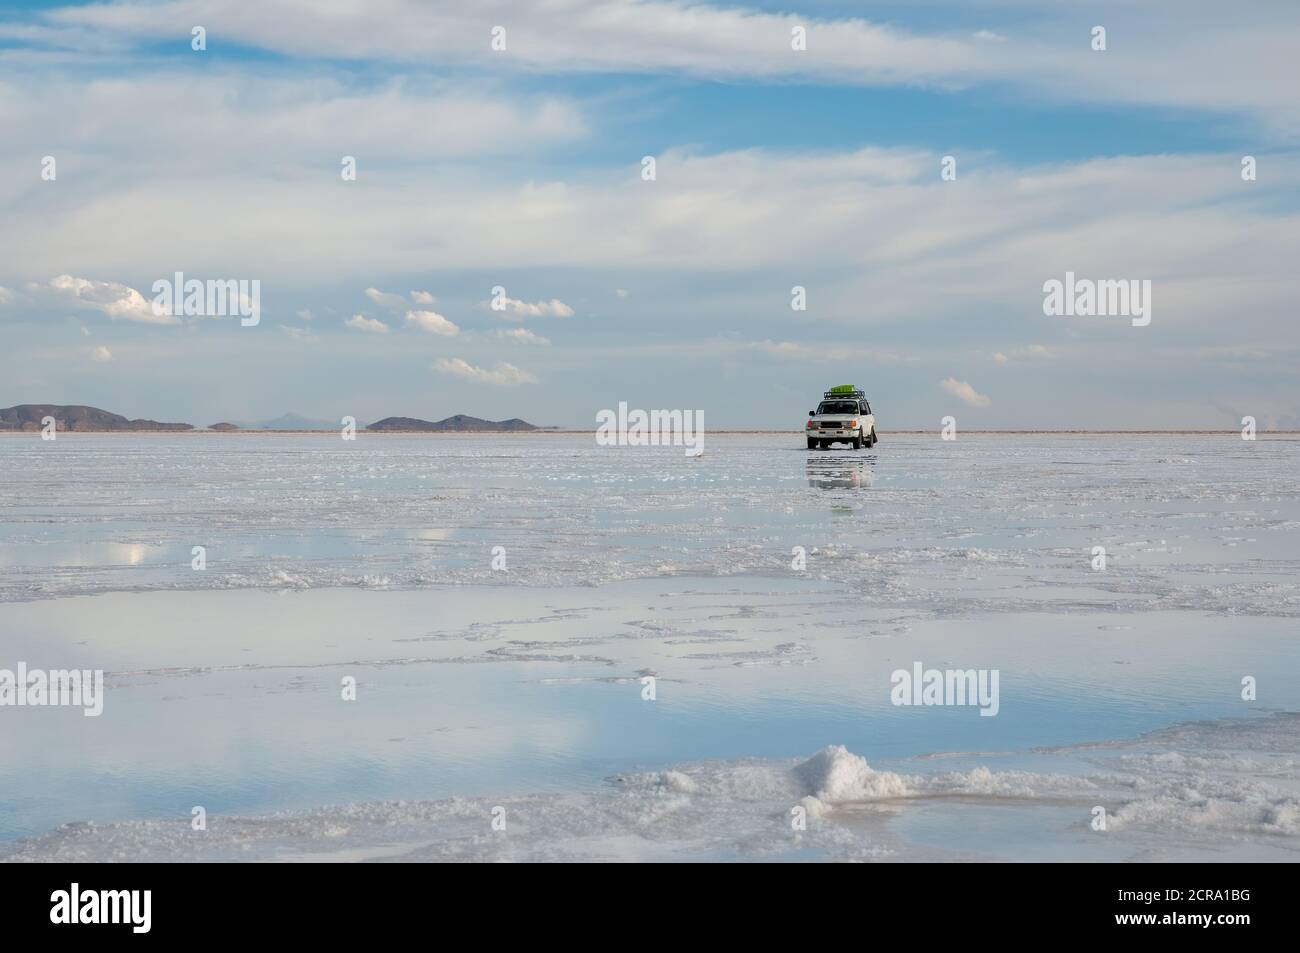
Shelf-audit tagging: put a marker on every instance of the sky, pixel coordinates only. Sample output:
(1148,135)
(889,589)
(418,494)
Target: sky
(775,168)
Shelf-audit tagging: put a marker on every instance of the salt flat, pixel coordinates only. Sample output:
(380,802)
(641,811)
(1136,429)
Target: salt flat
(524,688)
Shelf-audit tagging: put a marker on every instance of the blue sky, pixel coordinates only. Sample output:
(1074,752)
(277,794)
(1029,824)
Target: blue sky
(775,168)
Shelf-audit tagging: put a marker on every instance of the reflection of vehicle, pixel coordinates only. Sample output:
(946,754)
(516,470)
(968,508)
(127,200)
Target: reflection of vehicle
(843,416)
(838,472)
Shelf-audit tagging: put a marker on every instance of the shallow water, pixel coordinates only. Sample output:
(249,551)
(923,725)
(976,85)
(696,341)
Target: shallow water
(522,688)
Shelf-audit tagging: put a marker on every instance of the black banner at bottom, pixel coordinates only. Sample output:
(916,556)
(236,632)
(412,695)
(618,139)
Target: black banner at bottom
(908,903)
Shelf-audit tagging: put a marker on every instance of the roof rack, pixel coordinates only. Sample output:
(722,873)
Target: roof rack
(845,392)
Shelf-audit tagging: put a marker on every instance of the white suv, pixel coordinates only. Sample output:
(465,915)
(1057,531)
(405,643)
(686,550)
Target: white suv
(843,416)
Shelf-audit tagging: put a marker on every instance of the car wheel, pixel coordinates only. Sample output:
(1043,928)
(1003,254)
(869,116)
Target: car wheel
(857,441)
(812,444)
(874,439)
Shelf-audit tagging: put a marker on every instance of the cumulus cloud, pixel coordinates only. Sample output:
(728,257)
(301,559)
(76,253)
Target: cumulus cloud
(6,296)
(114,299)
(386,299)
(519,336)
(432,322)
(424,298)
(964,392)
(517,310)
(359,322)
(101,354)
(503,374)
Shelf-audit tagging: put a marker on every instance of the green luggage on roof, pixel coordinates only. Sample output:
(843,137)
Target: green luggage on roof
(847,389)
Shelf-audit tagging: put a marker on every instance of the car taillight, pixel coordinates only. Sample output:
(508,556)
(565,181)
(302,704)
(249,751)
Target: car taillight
(810,425)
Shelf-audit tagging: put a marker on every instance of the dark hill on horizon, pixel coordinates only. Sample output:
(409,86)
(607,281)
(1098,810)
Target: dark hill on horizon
(77,418)
(457,422)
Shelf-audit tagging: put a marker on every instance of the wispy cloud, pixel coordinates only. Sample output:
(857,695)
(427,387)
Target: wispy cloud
(964,392)
(503,374)
(300,334)
(1030,352)
(519,336)
(386,299)
(1043,50)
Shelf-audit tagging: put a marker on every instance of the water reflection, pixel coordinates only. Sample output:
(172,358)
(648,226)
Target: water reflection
(839,471)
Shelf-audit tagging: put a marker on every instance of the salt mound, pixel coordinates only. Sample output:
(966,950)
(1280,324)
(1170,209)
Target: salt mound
(835,775)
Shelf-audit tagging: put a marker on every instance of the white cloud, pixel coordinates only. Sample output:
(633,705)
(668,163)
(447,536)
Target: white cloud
(864,219)
(386,299)
(964,392)
(519,336)
(517,310)
(300,334)
(6,296)
(432,322)
(785,349)
(101,354)
(621,292)
(815,352)
(503,374)
(1045,52)
(288,118)
(360,322)
(424,298)
(114,299)
(1030,352)
(305,315)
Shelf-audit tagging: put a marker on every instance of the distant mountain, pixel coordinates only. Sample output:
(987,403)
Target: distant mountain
(292,421)
(222,427)
(76,418)
(458,422)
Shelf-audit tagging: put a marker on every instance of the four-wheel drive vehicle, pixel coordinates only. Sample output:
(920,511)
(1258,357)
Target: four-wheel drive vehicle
(843,416)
